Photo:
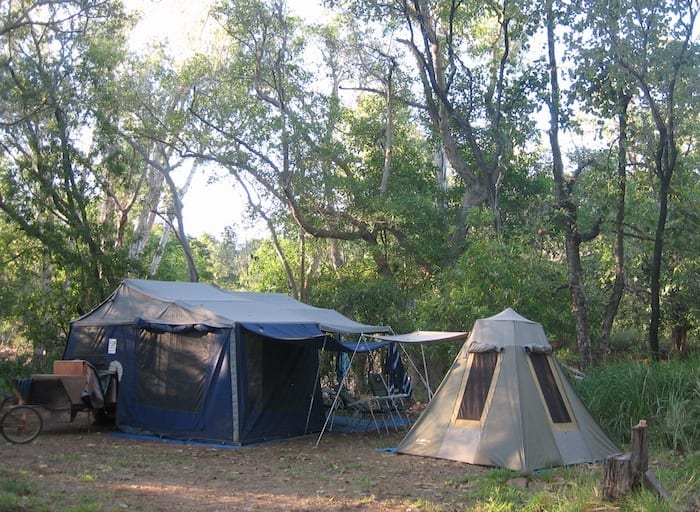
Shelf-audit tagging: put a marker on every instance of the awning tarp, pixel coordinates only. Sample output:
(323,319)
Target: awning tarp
(311,334)
(286,332)
(420,337)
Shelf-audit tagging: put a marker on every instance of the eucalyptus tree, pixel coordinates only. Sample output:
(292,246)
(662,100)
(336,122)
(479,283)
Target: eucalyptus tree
(375,128)
(468,65)
(574,235)
(602,91)
(653,49)
(268,115)
(248,107)
(55,55)
(146,123)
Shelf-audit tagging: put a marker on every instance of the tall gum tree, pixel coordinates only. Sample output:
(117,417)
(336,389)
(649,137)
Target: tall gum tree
(563,192)
(275,124)
(148,120)
(654,48)
(600,89)
(54,57)
(466,57)
(379,143)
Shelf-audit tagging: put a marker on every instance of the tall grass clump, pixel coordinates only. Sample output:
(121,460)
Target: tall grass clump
(666,394)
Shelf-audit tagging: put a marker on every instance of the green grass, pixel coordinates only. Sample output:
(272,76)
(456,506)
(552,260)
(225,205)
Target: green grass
(665,394)
(576,489)
(18,493)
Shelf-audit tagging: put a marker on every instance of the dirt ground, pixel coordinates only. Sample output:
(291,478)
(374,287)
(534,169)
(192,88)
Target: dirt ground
(77,463)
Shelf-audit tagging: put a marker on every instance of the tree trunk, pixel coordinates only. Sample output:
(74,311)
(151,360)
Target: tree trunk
(160,251)
(619,283)
(389,134)
(147,216)
(679,336)
(656,262)
(578,295)
(624,472)
(567,205)
(181,236)
(480,175)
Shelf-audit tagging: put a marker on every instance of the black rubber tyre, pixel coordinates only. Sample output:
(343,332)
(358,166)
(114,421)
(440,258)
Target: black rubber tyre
(21,424)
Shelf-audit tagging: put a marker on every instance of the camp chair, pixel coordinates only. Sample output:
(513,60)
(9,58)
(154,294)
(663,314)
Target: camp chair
(389,403)
(362,408)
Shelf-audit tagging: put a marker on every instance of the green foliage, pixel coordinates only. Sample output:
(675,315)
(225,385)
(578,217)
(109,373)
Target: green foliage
(409,204)
(490,276)
(265,272)
(358,292)
(665,394)
(11,368)
(493,275)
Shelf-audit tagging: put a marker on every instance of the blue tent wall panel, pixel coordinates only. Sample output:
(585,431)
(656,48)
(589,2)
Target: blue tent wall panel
(279,391)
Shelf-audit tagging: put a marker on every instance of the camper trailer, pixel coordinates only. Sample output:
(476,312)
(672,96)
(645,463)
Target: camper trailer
(197,362)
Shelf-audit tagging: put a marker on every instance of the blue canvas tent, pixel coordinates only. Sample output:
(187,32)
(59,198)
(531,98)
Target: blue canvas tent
(198,362)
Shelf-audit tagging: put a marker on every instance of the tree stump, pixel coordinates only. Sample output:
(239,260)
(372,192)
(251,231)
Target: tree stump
(640,453)
(624,472)
(617,476)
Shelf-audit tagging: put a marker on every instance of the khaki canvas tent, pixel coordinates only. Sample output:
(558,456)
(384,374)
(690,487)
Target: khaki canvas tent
(505,402)
(197,362)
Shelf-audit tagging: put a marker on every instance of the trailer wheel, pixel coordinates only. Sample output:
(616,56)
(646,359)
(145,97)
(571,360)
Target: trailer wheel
(21,424)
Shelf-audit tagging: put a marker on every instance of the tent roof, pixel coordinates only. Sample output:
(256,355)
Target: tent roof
(508,315)
(509,329)
(183,303)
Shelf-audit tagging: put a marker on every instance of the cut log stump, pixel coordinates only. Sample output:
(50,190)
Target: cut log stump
(624,472)
(617,476)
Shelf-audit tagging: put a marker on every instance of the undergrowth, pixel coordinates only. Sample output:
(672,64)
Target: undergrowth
(665,394)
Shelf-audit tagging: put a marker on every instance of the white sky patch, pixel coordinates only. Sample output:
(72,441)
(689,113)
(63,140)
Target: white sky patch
(184,25)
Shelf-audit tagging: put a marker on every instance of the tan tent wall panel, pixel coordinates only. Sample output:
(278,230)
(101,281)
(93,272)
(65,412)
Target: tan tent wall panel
(503,427)
(539,443)
(428,434)
(460,444)
(595,439)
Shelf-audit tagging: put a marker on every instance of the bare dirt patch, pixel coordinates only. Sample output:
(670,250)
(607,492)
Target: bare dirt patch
(77,463)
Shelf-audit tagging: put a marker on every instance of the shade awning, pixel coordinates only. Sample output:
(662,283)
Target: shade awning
(311,335)
(420,337)
(286,331)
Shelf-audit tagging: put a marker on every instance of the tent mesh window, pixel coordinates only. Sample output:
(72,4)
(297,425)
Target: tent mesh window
(172,370)
(478,385)
(550,388)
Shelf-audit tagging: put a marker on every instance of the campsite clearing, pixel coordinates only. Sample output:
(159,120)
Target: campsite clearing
(76,467)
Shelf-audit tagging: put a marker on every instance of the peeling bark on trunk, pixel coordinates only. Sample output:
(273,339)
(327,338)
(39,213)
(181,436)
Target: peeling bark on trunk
(147,215)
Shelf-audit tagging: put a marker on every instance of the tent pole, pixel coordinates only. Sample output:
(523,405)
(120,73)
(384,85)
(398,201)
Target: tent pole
(313,389)
(425,369)
(423,379)
(334,405)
